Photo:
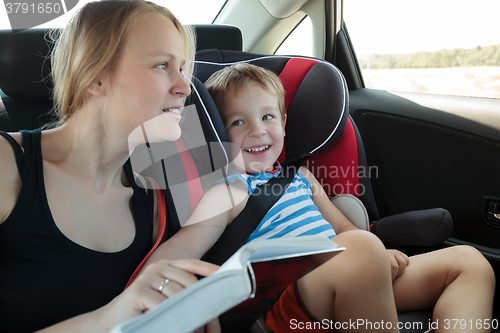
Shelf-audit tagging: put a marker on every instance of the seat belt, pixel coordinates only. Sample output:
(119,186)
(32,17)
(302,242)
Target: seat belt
(246,222)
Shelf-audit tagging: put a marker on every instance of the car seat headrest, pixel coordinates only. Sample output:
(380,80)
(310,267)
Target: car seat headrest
(25,65)
(218,36)
(316,97)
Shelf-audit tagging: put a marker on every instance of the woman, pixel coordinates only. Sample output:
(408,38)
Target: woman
(73,223)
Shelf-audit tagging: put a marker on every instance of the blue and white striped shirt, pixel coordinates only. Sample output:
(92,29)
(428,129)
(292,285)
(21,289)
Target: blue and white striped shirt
(293,215)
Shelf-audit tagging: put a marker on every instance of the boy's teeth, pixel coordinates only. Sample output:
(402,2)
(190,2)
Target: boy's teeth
(256,149)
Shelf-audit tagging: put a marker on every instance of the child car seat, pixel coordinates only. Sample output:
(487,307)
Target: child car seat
(321,132)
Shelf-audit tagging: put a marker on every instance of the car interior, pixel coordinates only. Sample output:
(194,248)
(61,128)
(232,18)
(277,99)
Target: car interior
(425,166)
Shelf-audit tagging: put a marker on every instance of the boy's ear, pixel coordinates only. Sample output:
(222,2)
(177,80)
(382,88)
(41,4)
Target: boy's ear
(284,123)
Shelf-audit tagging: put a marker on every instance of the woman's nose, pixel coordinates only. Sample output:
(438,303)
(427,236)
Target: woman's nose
(182,85)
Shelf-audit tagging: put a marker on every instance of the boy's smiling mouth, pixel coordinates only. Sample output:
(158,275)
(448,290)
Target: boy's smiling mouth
(257,149)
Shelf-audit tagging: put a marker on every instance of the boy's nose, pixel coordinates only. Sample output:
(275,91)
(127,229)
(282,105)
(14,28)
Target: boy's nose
(257,131)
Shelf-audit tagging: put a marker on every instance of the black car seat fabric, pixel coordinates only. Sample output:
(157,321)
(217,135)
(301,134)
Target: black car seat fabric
(215,36)
(24,79)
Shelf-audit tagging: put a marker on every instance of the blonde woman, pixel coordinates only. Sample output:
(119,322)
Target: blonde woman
(73,223)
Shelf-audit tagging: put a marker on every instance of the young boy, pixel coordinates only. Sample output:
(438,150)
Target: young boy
(366,281)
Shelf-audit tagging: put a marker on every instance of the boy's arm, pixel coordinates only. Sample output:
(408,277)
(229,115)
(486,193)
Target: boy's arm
(216,209)
(338,221)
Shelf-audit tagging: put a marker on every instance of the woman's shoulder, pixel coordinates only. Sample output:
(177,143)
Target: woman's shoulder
(9,142)
(4,142)
(10,180)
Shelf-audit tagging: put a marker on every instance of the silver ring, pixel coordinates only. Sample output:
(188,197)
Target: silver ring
(163,284)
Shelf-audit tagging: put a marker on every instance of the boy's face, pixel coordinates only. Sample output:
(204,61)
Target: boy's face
(254,123)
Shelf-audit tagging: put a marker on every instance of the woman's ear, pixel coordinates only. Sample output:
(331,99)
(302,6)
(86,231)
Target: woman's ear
(96,88)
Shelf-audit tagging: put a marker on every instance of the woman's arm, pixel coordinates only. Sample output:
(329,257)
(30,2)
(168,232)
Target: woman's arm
(142,295)
(216,209)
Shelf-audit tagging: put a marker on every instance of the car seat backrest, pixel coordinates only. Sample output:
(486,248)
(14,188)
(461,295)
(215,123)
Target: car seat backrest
(319,128)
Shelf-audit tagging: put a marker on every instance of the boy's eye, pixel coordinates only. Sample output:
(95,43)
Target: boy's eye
(237,123)
(267,117)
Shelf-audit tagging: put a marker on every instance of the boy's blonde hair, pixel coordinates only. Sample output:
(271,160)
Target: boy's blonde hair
(92,43)
(234,78)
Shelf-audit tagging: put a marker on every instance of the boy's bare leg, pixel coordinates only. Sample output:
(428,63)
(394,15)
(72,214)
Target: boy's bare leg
(458,281)
(354,285)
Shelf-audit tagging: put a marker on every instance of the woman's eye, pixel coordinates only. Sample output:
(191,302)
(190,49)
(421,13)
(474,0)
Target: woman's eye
(163,66)
(267,117)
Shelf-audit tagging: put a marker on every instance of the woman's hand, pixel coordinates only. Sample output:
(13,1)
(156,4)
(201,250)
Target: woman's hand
(145,293)
(399,261)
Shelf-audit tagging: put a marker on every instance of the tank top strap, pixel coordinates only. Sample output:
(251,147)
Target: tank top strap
(18,150)
(32,145)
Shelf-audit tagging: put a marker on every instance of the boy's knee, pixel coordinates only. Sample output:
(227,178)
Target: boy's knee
(468,258)
(364,248)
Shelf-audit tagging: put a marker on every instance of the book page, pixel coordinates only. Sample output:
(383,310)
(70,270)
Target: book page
(273,276)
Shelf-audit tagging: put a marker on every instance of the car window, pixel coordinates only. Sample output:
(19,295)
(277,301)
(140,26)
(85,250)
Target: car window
(445,47)
(188,11)
(299,42)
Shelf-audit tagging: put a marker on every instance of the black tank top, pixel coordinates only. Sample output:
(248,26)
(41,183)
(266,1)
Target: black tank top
(46,278)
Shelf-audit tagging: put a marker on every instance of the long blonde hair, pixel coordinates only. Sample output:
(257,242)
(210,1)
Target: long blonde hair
(91,45)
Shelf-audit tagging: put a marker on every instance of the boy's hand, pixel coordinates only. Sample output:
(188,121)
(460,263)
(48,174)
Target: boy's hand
(399,261)
(211,327)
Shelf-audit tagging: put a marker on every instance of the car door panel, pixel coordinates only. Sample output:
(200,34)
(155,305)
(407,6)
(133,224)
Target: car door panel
(435,151)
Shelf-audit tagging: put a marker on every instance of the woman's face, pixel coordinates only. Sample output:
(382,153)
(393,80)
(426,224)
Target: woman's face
(148,86)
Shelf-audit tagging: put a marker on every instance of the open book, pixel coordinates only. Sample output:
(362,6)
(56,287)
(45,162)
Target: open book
(256,272)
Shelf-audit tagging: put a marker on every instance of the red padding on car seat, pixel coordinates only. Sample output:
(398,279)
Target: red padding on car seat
(292,76)
(337,168)
(193,179)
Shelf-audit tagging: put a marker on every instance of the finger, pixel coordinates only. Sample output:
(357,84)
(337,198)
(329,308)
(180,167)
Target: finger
(165,270)
(167,287)
(406,258)
(402,259)
(402,263)
(195,266)
(144,297)
(394,267)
